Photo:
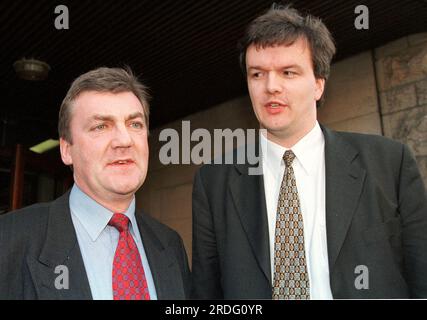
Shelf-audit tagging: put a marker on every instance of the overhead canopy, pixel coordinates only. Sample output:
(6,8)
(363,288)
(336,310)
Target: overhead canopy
(185,51)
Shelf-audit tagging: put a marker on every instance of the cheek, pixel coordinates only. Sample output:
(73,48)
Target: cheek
(304,91)
(143,149)
(253,89)
(84,161)
(145,153)
(87,154)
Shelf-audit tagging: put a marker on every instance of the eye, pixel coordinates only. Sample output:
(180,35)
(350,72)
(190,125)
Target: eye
(289,74)
(256,75)
(100,127)
(137,125)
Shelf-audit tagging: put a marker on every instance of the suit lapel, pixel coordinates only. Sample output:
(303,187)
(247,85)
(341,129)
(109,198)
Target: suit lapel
(249,199)
(60,256)
(344,181)
(163,265)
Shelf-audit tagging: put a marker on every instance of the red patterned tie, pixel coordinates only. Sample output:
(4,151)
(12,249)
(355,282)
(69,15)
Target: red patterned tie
(129,281)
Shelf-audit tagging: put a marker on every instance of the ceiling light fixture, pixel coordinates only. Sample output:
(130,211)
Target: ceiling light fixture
(45,146)
(31,69)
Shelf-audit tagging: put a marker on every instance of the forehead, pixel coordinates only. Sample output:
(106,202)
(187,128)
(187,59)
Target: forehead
(116,104)
(298,53)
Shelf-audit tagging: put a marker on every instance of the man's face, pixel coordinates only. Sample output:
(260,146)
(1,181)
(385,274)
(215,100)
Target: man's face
(109,152)
(283,89)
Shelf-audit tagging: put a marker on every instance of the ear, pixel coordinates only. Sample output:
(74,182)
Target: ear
(65,148)
(320,87)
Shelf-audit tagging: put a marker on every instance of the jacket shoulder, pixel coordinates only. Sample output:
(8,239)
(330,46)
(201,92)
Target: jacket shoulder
(364,140)
(381,156)
(22,232)
(161,231)
(25,221)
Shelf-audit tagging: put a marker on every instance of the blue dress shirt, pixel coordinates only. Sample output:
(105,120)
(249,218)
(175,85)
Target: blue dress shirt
(98,242)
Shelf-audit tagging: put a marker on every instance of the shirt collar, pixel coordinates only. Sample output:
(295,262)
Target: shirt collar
(306,150)
(93,216)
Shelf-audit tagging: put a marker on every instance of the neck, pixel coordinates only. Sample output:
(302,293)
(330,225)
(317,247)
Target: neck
(114,203)
(116,206)
(289,139)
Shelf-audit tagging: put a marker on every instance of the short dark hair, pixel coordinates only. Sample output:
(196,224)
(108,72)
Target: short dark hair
(115,80)
(283,25)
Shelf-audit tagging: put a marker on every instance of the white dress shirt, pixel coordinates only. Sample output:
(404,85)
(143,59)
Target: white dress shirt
(309,169)
(98,242)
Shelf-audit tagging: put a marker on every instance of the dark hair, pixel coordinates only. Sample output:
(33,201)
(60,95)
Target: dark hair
(283,25)
(115,80)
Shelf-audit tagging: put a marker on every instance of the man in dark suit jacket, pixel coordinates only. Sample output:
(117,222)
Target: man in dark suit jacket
(90,243)
(36,240)
(359,200)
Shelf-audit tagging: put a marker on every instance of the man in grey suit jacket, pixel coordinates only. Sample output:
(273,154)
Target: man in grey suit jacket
(91,243)
(349,217)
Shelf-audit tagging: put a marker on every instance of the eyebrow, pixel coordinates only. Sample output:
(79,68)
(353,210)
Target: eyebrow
(135,115)
(282,67)
(111,118)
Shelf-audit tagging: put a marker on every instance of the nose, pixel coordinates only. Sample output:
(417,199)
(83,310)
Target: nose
(121,137)
(273,84)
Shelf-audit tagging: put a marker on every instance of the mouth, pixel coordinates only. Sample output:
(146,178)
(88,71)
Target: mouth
(275,106)
(121,162)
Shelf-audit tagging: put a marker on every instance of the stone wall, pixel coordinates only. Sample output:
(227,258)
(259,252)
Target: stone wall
(402,82)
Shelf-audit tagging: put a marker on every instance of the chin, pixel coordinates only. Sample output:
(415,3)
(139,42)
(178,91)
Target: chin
(126,188)
(125,191)
(275,127)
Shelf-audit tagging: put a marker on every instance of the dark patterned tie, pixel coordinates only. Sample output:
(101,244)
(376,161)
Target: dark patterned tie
(290,269)
(129,281)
